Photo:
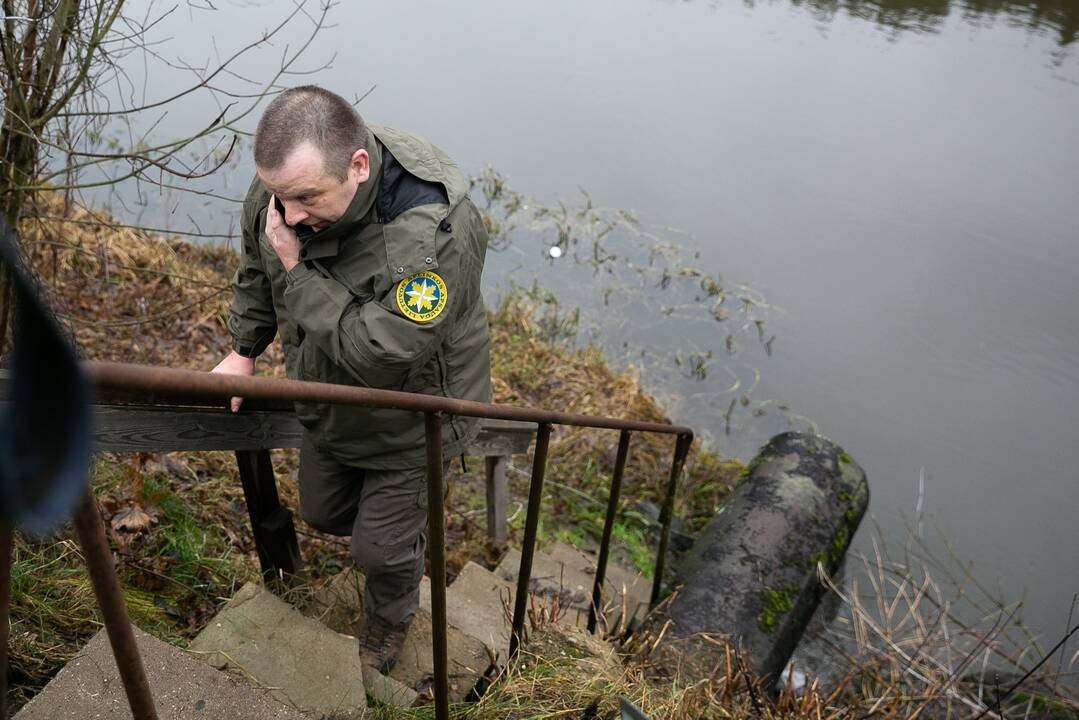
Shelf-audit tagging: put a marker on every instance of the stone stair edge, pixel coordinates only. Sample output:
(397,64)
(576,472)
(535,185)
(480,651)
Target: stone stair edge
(392,689)
(181,684)
(304,662)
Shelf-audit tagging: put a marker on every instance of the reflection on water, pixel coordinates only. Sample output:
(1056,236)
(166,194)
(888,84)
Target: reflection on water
(1058,18)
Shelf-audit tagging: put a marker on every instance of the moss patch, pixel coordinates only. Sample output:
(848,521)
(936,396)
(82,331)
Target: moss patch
(775,604)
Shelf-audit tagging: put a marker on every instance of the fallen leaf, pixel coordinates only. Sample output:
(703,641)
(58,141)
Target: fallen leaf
(133,519)
(162,604)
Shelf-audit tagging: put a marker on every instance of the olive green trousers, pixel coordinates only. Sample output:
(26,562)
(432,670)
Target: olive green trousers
(385,512)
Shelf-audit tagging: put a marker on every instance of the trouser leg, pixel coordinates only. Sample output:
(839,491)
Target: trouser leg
(385,511)
(389,539)
(329,491)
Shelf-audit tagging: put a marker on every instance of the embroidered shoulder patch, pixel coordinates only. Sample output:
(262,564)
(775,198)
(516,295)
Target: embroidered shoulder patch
(422,296)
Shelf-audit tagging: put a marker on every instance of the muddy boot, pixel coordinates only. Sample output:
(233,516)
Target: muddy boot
(380,644)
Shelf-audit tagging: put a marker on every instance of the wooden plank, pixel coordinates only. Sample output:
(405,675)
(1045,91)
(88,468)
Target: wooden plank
(497,498)
(502,437)
(120,428)
(140,428)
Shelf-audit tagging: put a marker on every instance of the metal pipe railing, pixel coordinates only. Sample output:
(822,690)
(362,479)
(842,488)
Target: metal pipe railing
(666,516)
(95,548)
(528,545)
(437,553)
(121,379)
(608,528)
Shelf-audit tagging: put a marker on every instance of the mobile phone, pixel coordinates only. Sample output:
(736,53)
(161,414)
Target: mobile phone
(303,232)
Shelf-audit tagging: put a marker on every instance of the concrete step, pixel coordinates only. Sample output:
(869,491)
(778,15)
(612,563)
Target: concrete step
(476,604)
(339,604)
(303,662)
(477,608)
(467,656)
(564,572)
(183,687)
(622,587)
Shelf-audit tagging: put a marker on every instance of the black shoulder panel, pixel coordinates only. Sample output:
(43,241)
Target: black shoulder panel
(400,190)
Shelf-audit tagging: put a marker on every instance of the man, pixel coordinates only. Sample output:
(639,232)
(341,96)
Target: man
(363,251)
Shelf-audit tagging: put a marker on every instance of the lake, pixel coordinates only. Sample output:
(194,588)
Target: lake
(899,179)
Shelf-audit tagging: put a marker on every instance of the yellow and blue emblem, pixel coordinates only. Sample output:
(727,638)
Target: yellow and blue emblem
(422,296)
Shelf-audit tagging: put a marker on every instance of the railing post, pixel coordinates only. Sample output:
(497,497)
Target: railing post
(437,560)
(271,524)
(5,602)
(666,516)
(608,526)
(528,547)
(110,598)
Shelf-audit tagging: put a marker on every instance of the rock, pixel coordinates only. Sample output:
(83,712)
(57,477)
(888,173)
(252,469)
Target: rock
(466,656)
(386,690)
(681,540)
(564,574)
(751,576)
(183,687)
(305,663)
(475,606)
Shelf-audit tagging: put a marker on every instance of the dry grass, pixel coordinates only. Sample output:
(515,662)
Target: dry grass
(566,673)
(918,641)
(536,364)
(127,295)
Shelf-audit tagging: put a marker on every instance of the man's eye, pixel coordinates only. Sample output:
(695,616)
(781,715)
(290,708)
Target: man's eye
(304,199)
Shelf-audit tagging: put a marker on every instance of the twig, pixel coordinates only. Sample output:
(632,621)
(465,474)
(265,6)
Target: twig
(147,319)
(1071,611)
(852,602)
(1034,669)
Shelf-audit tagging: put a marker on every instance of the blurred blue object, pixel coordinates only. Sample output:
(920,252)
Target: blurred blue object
(45,423)
(630,711)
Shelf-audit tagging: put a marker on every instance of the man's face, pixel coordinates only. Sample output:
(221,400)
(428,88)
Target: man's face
(311,195)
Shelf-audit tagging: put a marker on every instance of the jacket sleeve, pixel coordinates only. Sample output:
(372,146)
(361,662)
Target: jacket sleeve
(374,341)
(252,320)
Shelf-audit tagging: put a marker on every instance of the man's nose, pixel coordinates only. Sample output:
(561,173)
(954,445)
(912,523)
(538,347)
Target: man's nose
(294,214)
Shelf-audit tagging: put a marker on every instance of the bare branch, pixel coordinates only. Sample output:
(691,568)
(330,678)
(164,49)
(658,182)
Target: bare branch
(148,318)
(101,29)
(64,26)
(204,82)
(125,226)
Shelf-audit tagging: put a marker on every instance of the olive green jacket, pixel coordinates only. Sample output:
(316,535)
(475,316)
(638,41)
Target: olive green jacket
(341,311)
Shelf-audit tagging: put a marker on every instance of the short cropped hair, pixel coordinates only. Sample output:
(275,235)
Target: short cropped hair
(310,114)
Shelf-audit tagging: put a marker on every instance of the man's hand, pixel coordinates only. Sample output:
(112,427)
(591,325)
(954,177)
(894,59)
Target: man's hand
(235,364)
(282,237)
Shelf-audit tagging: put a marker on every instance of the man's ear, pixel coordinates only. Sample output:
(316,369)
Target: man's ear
(361,163)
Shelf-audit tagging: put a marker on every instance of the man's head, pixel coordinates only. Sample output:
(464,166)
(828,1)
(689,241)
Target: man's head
(311,152)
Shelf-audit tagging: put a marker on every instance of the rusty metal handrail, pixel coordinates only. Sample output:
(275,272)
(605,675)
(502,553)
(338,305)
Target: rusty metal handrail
(121,378)
(149,378)
(608,528)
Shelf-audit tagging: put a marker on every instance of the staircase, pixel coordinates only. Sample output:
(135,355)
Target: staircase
(261,657)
